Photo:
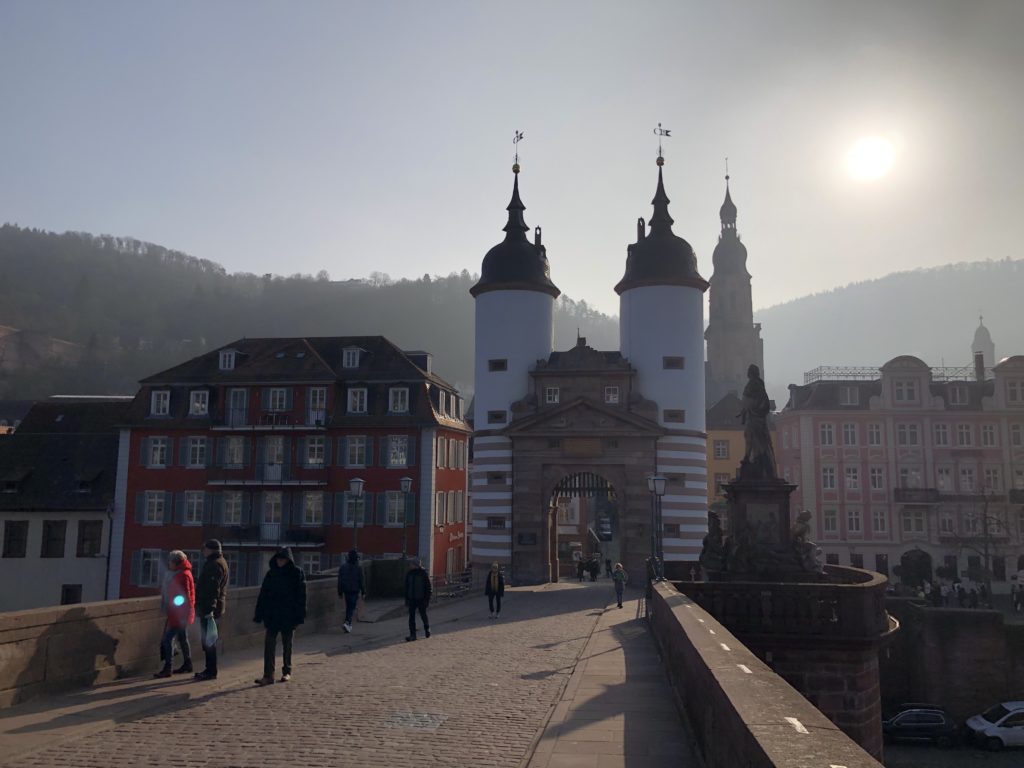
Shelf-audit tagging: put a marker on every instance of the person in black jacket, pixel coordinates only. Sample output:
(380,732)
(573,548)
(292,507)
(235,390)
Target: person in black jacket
(281,607)
(417,597)
(211,602)
(494,588)
(350,586)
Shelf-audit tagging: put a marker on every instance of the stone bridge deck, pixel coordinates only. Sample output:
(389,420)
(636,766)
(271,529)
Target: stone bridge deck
(562,679)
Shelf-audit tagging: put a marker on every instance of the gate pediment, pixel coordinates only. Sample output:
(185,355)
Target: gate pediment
(581,417)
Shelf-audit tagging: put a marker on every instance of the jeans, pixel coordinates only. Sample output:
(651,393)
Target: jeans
(351,601)
(491,599)
(167,649)
(210,650)
(270,651)
(421,606)
(619,587)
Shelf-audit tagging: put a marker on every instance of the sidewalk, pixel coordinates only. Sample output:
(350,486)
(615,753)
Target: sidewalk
(618,709)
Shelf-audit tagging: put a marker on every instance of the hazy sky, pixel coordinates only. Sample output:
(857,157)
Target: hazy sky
(359,136)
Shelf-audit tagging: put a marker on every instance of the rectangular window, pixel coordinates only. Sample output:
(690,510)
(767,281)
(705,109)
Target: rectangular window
(313,508)
(227,360)
(439,508)
(674,416)
(199,402)
(450,511)
(318,406)
(941,435)
(907,434)
(1015,392)
(910,477)
(947,524)
(441,452)
(882,564)
(1017,435)
(357,400)
(278,399)
(398,400)
(272,507)
(874,434)
(54,532)
(496,417)
(720,479)
(154,514)
(232,507)
(611,395)
(852,478)
(964,435)
(197,451)
(442,401)
(831,520)
(967,479)
(157,452)
(160,403)
(90,538)
(395,509)
(150,565)
(849,434)
(849,395)
(721,449)
(988,435)
(879,520)
(70,594)
(877,475)
(315,451)
(496,366)
(15,538)
(673,363)
(551,395)
(354,514)
(496,523)
(828,478)
(913,521)
(398,451)
(350,358)
(944,479)
(826,434)
(856,560)
(310,563)
(356,453)
(194,501)
(972,524)
(993,479)
(957,394)
(906,390)
(234,452)
(853,519)
(231,558)
(832,558)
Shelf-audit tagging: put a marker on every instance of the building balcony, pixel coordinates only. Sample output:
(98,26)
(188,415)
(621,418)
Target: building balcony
(267,474)
(916,495)
(232,419)
(267,535)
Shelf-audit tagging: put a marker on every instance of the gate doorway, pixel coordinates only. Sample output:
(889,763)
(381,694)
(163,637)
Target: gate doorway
(585,527)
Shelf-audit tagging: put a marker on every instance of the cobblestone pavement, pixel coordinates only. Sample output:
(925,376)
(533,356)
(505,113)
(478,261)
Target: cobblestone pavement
(927,756)
(476,693)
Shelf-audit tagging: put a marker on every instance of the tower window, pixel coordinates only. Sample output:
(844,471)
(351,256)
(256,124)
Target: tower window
(495,366)
(551,395)
(674,415)
(673,363)
(496,417)
(611,395)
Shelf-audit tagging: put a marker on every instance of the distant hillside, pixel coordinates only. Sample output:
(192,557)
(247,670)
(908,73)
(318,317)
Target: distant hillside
(930,313)
(139,308)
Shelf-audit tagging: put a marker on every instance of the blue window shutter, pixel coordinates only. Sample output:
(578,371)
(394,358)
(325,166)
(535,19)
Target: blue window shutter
(327,451)
(342,451)
(382,508)
(208,501)
(369,451)
(140,507)
(328,498)
(287,452)
(288,398)
(216,503)
(221,447)
(246,451)
(302,458)
(410,509)
(179,509)
(248,502)
(339,508)
(183,451)
(265,399)
(207,450)
(168,507)
(368,508)
(384,451)
(410,457)
(169,461)
(144,452)
(136,572)
(261,452)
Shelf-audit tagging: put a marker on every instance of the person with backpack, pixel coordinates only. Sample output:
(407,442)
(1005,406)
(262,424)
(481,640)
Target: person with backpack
(350,586)
(417,597)
(281,607)
(178,601)
(619,579)
(494,588)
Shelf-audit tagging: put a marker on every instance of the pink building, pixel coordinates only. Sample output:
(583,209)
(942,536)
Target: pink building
(913,466)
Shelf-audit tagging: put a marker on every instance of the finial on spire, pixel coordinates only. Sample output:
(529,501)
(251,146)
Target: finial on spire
(659,132)
(727,173)
(515,142)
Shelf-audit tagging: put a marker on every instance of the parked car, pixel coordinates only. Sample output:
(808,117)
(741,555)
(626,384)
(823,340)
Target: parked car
(998,726)
(921,722)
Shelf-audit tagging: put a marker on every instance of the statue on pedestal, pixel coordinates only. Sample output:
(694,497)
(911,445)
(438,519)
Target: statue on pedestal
(759,460)
(808,554)
(712,555)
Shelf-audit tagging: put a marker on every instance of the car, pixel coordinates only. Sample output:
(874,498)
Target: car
(1001,725)
(921,722)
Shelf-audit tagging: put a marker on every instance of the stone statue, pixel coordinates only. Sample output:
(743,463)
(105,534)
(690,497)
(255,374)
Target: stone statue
(712,555)
(808,554)
(759,461)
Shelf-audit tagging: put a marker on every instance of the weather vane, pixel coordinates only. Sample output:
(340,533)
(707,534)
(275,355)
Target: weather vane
(727,171)
(659,132)
(515,142)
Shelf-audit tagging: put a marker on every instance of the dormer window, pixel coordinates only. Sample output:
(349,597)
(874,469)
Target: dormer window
(350,358)
(611,395)
(199,403)
(849,395)
(957,394)
(906,390)
(441,401)
(160,403)
(1015,392)
(227,360)
(551,395)
(398,400)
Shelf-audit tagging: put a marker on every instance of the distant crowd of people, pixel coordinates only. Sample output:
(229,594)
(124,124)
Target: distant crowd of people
(959,595)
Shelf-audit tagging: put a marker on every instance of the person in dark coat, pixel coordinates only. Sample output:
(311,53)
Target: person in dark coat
(494,588)
(350,586)
(211,602)
(281,607)
(417,597)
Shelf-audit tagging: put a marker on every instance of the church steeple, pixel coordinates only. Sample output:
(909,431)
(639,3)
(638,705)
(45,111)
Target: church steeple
(661,221)
(727,213)
(516,227)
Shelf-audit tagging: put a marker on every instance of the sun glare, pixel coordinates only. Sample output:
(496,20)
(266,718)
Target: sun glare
(870,158)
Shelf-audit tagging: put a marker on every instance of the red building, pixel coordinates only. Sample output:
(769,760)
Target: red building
(257,444)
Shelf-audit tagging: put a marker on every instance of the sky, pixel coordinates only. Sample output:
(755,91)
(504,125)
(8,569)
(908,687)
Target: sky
(360,137)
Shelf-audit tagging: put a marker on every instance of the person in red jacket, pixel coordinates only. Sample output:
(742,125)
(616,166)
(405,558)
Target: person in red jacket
(178,600)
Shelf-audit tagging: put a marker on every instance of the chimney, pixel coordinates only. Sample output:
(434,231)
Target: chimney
(979,366)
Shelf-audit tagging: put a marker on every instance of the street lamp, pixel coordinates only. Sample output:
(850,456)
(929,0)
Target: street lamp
(355,489)
(656,486)
(406,485)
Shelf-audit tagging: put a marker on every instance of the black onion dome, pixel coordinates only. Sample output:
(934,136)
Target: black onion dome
(516,264)
(661,257)
(730,254)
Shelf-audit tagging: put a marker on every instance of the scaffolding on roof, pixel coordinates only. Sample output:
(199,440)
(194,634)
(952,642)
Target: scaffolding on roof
(862,373)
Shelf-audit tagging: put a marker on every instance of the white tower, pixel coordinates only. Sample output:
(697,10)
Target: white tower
(661,333)
(515,302)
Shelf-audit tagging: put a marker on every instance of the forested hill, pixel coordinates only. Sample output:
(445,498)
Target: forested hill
(929,313)
(139,308)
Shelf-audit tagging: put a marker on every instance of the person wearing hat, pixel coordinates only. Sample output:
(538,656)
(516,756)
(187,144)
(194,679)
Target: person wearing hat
(350,586)
(281,607)
(417,597)
(211,602)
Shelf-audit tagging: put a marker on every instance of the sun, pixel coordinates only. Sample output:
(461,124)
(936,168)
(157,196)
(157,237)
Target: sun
(870,158)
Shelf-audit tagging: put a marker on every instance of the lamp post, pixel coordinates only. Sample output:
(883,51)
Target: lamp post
(656,486)
(406,485)
(355,488)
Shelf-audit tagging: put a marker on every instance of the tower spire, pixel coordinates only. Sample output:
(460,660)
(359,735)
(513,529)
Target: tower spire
(727,213)
(516,227)
(661,221)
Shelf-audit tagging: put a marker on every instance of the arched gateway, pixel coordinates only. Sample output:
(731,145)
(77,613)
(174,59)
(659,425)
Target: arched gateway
(585,526)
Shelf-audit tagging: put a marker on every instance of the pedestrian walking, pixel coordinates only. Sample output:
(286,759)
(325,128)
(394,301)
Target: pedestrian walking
(178,601)
(494,588)
(281,607)
(211,602)
(579,569)
(417,597)
(608,570)
(619,578)
(350,586)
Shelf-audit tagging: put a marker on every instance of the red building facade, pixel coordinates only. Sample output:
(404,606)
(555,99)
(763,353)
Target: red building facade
(257,444)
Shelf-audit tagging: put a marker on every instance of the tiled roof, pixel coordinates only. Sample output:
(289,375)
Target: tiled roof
(725,414)
(824,395)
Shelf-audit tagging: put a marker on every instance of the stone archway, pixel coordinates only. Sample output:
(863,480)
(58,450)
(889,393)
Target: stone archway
(586,526)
